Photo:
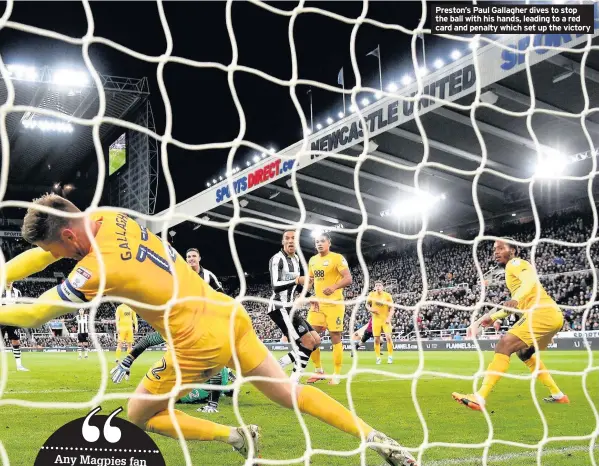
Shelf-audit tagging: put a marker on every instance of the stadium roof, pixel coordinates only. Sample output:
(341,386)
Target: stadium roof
(386,177)
(39,158)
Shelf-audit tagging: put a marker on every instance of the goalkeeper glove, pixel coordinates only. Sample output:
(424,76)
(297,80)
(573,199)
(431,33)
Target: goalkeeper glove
(122,370)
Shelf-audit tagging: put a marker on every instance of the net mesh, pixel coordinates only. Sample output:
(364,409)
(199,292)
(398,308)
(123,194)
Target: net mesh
(166,139)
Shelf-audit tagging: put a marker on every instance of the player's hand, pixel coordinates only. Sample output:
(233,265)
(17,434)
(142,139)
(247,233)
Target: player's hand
(315,306)
(387,321)
(511,303)
(497,325)
(472,331)
(122,370)
(328,291)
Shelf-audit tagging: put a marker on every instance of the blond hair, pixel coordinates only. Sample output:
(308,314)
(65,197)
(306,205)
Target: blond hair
(41,226)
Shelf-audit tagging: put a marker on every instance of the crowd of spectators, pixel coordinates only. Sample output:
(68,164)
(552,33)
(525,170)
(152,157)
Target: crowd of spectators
(452,284)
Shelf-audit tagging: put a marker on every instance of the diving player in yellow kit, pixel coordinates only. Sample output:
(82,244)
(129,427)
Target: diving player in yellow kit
(540,321)
(205,328)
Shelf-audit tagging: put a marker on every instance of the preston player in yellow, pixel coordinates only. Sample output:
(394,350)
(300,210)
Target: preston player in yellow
(540,321)
(330,274)
(380,304)
(205,328)
(126,323)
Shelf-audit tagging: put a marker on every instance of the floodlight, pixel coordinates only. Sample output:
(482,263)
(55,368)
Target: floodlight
(256,159)
(421,202)
(455,54)
(307,132)
(329,120)
(422,71)
(272,149)
(26,73)
(378,95)
(473,45)
(352,108)
(406,79)
(318,126)
(438,63)
(365,101)
(48,125)
(220,178)
(552,165)
(248,163)
(208,184)
(316,233)
(341,114)
(392,87)
(263,155)
(70,78)
(214,181)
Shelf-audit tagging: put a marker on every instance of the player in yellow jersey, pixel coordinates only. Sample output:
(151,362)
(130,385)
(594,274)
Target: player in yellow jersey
(380,304)
(541,320)
(203,328)
(126,324)
(330,274)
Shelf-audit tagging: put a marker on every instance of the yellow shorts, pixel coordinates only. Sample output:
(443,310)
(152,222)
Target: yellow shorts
(125,335)
(329,317)
(208,349)
(545,321)
(379,325)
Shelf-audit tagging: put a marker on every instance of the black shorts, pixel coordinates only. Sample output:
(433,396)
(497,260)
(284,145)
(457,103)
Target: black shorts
(282,317)
(82,337)
(10,331)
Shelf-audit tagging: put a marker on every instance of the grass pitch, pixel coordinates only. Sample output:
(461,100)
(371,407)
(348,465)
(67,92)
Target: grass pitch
(382,400)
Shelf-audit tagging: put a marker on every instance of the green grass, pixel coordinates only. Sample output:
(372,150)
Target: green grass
(383,401)
(116,159)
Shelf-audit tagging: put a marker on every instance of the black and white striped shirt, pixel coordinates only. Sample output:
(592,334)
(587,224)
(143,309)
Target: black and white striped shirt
(11,294)
(82,323)
(284,269)
(210,278)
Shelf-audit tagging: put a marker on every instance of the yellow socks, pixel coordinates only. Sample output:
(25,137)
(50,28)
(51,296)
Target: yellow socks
(316,359)
(320,405)
(377,349)
(389,348)
(193,428)
(544,377)
(500,363)
(118,352)
(338,357)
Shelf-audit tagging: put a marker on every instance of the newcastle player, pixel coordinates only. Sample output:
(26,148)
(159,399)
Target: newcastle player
(82,333)
(193,258)
(286,279)
(13,294)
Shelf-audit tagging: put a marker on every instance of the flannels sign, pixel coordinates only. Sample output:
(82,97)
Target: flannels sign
(396,111)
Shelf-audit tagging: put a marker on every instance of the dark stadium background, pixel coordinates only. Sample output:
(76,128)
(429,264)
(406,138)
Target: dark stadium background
(202,106)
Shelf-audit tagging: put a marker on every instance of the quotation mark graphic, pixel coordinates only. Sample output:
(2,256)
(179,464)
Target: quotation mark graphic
(91,434)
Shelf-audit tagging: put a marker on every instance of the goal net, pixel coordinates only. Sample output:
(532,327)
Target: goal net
(428,424)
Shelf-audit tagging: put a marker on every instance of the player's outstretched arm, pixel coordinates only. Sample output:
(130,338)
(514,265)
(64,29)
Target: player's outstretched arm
(36,314)
(28,263)
(123,369)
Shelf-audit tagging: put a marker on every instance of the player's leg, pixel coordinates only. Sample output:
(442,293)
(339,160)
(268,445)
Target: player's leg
(86,346)
(16,348)
(318,322)
(119,343)
(334,316)
(214,395)
(389,338)
(528,357)
(297,330)
(152,415)
(376,332)
(79,348)
(318,404)
(508,345)
(377,348)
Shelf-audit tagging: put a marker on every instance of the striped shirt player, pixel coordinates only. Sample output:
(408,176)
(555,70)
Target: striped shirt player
(82,332)
(12,333)
(287,279)
(193,258)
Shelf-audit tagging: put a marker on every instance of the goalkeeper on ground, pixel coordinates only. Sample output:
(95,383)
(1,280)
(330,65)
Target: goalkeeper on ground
(197,395)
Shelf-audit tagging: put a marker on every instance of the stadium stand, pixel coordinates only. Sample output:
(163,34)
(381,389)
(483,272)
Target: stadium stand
(451,275)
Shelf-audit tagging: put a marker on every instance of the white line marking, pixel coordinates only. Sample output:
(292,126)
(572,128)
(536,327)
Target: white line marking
(510,456)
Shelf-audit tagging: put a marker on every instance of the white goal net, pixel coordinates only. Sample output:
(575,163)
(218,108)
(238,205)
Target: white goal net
(476,71)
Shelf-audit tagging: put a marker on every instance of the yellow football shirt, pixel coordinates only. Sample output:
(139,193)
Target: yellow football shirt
(126,317)
(135,267)
(326,271)
(381,303)
(523,283)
